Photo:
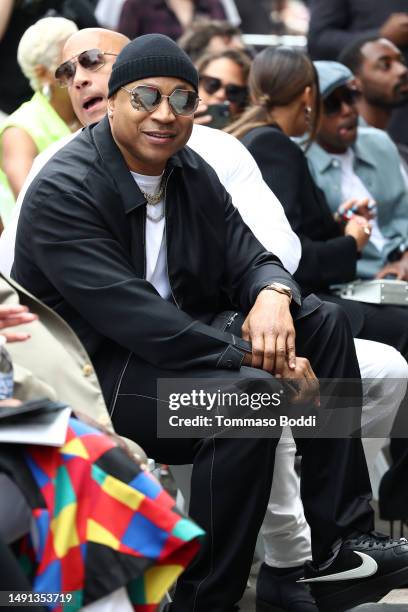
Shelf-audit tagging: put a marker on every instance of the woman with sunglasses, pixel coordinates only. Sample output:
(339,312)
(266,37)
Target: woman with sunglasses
(223,80)
(285,104)
(47,117)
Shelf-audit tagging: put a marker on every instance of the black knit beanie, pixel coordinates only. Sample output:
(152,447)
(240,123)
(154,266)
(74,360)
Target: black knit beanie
(148,56)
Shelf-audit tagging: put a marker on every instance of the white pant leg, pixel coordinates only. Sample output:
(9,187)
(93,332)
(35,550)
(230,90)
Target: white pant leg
(384,372)
(285,532)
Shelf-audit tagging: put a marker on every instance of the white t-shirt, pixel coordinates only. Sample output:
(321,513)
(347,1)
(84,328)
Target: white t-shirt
(353,187)
(156,254)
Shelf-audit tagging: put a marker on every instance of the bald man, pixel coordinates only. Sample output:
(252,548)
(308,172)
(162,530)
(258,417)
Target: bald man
(88,88)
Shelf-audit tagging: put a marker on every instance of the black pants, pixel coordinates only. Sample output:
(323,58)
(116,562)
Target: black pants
(388,324)
(232,478)
(12,577)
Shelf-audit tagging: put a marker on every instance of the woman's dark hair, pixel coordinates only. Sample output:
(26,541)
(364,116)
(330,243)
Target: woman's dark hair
(277,77)
(235,55)
(200,33)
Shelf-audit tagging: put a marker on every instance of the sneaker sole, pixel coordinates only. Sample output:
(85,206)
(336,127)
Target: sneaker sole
(364,592)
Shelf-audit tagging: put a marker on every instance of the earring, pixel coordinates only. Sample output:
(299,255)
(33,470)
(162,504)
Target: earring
(46,91)
(110,112)
(308,112)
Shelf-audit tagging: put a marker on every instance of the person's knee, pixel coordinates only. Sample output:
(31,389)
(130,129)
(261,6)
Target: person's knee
(333,315)
(395,365)
(395,374)
(330,321)
(380,361)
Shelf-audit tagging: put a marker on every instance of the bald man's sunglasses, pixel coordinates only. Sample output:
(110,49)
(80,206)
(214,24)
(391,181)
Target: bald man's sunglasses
(93,60)
(148,98)
(333,103)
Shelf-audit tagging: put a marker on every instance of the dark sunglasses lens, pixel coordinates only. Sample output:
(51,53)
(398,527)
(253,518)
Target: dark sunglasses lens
(146,97)
(184,102)
(332,104)
(236,94)
(351,96)
(210,84)
(65,72)
(91,60)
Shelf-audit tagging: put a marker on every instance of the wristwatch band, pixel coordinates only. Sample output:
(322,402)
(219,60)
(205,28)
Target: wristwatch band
(279,288)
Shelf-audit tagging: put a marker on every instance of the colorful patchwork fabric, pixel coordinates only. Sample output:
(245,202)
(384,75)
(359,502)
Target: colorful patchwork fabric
(102,522)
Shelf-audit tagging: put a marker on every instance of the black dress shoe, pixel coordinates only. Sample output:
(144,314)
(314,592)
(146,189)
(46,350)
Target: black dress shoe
(366,567)
(279,592)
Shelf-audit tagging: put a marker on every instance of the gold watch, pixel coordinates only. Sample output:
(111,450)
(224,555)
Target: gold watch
(280,288)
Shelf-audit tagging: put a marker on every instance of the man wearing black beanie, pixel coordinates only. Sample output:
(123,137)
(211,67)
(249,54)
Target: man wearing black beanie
(130,237)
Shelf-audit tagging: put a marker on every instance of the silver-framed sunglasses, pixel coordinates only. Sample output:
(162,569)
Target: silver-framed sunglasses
(182,102)
(92,59)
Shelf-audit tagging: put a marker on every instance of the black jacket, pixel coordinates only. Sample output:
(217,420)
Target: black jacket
(80,248)
(328,257)
(334,24)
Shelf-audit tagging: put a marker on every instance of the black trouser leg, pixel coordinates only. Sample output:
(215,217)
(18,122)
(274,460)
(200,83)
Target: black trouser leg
(388,324)
(12,577)
(335,485)
(230,487)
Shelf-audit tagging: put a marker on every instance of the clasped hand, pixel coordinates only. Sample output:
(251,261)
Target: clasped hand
(270,330)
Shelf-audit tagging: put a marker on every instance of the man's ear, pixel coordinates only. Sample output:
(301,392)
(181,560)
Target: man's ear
(358,83)
(111,105)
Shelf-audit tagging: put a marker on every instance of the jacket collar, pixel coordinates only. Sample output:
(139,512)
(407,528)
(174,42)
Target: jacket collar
(322,160)
(112,158)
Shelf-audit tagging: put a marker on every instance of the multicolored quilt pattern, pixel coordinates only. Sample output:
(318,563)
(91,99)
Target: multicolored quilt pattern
(103,522)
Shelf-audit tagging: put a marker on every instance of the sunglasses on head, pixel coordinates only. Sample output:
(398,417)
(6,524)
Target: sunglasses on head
(237,94)
(93,59)
(148,98)
(332,104)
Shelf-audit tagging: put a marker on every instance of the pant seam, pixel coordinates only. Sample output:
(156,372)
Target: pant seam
(211,529)
(113,404)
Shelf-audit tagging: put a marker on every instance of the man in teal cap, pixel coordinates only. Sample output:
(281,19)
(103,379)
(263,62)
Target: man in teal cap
(352,161)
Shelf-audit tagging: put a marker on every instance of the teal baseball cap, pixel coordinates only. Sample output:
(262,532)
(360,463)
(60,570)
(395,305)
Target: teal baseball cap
(331,76)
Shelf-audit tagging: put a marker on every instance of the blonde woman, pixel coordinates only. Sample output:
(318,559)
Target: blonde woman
(47,117)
